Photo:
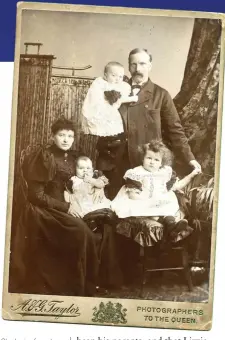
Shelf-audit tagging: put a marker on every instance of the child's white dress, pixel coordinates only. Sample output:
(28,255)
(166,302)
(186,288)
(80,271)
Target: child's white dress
(86,197)
(98,116)
(155,200)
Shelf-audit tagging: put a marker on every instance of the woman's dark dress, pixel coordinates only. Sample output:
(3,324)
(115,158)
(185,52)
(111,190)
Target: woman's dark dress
(52,252)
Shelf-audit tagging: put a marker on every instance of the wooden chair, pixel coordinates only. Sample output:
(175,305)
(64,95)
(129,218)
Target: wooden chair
(153,257)
(174,258)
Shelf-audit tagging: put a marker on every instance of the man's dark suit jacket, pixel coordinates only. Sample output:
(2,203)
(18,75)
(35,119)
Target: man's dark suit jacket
(145,120)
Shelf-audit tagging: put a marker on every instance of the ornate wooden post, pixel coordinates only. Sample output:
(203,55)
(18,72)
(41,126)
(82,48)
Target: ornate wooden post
(33,106)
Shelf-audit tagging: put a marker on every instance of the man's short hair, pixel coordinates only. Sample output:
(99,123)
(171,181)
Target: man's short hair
(139,50)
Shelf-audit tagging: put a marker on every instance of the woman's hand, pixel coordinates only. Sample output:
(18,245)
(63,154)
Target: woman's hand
(98,196)
(75,210)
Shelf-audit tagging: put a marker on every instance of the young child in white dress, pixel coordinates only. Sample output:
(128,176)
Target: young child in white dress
(100,115)
(101,118)
(147,192)
(87,188)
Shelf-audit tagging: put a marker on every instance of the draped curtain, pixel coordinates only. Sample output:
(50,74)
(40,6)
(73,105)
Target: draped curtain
(197,101)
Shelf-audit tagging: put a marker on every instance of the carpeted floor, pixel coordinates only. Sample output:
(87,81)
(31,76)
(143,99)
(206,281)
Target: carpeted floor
(168,286)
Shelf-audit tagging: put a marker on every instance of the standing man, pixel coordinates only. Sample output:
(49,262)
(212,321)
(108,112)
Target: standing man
(145,120)
(153,113)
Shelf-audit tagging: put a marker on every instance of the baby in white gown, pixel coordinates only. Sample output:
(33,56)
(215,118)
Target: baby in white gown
(100,115)
(102,120)
(87,194)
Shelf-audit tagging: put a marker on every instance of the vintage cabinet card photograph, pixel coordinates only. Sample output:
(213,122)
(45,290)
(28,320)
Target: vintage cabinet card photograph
(114,166)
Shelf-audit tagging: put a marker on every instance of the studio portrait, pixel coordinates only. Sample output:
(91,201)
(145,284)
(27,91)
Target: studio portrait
(115,156)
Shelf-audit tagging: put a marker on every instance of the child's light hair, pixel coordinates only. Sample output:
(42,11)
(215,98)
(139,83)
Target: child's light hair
(156,145)
(83,158)
(112,63)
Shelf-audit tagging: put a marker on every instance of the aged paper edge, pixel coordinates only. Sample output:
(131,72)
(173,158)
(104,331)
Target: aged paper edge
(86,304)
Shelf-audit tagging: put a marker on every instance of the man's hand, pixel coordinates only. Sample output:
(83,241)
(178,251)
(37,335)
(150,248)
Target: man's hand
(117,104)
(195,165)
(195,172)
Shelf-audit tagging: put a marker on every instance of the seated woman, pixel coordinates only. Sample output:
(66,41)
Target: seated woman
(53,250)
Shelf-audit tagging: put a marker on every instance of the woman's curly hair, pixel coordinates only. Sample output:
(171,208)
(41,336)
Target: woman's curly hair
(158,146)
(63,123)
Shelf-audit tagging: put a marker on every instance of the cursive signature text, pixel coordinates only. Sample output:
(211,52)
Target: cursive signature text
(54,308)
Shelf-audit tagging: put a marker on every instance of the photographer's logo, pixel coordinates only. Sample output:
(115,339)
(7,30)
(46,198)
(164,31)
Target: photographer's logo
(110,313)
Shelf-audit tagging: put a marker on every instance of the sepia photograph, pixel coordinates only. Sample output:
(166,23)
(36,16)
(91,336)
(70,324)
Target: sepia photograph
(114,166)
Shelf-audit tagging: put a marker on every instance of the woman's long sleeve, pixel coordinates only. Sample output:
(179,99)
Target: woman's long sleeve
(37,196)
(39,169)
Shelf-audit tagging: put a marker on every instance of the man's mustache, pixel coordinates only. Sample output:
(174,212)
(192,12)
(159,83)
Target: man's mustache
(138,74)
